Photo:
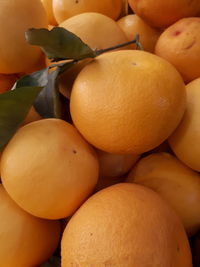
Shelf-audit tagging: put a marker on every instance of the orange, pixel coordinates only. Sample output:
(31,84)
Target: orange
(115,165)
(133,24)
(49,169)
(175,182)
(125,225)
(161,13)
(25,239)
(16,55)
(180,45)
(64,9)
(48,5)
(186,138)
(127,101)
(7,81)
(85,26)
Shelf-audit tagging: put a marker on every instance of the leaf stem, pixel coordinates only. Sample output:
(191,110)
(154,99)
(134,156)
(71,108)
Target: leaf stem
(134,41)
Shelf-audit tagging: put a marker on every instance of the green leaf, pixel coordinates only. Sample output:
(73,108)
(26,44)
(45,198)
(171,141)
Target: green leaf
(14,106)
(38,78)
(59,43)
(52,262)
(48,102)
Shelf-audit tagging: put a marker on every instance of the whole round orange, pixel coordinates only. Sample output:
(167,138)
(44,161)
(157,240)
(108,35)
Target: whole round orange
(133,24)
(16,17)
(180,45)
(49,169)
(185,139)
(175,182)
(125,225)
(161,13)
(64,9)
(127,101)
(25,239)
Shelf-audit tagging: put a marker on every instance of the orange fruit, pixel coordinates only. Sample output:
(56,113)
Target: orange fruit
(64,9)
(61,169)
(85,26)
(7,81)
(115,165)
(175,182)
(125,225)
(25,239)
(161,13)
(127,101)
(133,24)
(48,5)
(16,55)
(185,139)
(180,45)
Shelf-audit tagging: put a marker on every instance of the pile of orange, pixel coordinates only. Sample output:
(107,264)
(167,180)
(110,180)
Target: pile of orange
(119,184)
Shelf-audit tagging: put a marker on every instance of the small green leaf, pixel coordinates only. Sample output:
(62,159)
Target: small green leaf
(48,103)
(38,78)
(14,106)
(52,262)
(59,44)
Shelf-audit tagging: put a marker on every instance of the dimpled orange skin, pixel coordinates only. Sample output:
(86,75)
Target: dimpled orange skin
(85,26)
(180,45)
(64,9)
(125,225)
(162,14)
(25,239)
(16,55)
(127,101)
(175,182)
(133,24)
(185,139)
(49,169)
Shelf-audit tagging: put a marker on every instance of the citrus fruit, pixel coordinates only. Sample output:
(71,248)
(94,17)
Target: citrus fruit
(16,55)
(133,25)
(25,239)
(185,139)
(180,45)
(64,9)
(161,13)
(175,182)
(48,5)
(127,101)
(49,169)
(125,225)
(85,26)
(115,165)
